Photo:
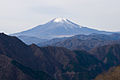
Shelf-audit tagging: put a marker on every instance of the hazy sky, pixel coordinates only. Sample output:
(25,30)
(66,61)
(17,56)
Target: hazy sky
(19,15)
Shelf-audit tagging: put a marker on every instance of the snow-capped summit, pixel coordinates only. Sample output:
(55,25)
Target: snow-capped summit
(58,27)
(63,23)
(60,20)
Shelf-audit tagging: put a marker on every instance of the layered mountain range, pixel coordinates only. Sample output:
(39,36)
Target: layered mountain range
(16,61)
(45,63)
(56,28)
(31,62)
(83,42)
(53,63)
(63,51)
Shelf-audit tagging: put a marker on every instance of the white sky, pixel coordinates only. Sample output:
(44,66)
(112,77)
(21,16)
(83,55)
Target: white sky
(20,15)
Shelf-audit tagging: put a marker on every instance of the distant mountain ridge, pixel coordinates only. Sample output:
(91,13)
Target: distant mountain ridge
(85,42)
(58,27)
(30,40)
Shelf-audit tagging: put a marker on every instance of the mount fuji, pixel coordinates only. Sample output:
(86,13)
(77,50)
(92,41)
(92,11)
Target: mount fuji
(58,27)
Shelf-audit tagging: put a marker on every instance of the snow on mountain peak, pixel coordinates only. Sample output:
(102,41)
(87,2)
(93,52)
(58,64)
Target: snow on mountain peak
(58,27)
(63,22)
(60,20)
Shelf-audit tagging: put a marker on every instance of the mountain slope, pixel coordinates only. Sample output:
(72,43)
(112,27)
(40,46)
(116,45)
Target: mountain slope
(58,27)
(109,54)
(12,49)
(112,74)
(70,65)
(9,72)
(12,70)
(15,49)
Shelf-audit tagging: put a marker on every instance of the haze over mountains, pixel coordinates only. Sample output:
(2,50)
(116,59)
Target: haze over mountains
(57,28)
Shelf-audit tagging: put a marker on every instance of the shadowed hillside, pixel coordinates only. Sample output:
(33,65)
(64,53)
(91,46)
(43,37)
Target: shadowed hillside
(58,62)
(112,74)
